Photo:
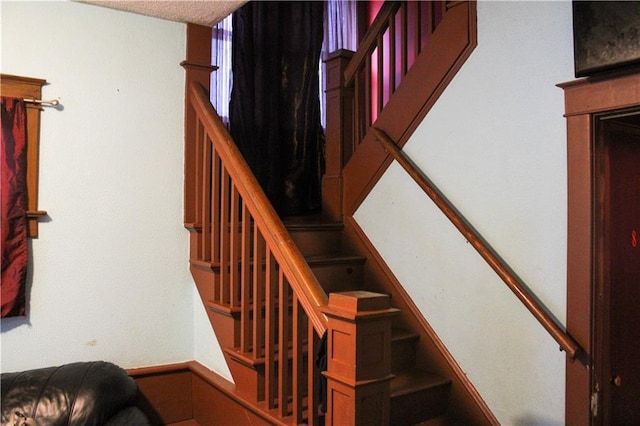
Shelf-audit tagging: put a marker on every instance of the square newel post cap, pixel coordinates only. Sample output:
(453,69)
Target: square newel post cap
(355,304)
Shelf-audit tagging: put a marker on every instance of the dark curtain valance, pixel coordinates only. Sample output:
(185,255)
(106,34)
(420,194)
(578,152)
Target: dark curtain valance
(275,110)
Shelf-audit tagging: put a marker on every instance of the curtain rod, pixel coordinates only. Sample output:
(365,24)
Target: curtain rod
(53,102)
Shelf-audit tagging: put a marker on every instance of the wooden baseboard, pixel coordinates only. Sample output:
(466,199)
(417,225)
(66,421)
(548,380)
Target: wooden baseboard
(165,393)
(190,394)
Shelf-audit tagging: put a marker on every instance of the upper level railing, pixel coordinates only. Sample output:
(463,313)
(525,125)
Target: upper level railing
(259,273)
(393,42)
(566,342)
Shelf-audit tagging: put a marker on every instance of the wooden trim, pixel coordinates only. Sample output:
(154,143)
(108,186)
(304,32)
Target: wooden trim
(197,69)
(584,98)
(27,87)
(470,408)
(164,392)
(189,391)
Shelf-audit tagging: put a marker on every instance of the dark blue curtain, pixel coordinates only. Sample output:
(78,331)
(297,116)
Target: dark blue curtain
(275,110)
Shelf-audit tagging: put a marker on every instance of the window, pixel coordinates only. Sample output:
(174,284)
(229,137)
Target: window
(340,32)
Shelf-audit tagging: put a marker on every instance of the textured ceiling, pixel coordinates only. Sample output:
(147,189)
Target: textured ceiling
(202,12)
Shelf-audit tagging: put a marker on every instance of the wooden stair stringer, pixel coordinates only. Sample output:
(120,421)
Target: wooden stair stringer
(468,407)
(227,331)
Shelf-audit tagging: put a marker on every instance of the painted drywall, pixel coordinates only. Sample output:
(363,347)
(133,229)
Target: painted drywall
(109,272)
(494,143)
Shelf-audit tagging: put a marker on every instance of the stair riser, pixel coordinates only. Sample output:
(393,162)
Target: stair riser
(316,242)
(419,406)
(403,354)
(340,277)
(251,378)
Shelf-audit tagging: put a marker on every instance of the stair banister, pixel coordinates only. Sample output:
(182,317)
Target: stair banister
(566,342)
(311,295)
(369,42)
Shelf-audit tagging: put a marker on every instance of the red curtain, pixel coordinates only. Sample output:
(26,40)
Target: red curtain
(14,207)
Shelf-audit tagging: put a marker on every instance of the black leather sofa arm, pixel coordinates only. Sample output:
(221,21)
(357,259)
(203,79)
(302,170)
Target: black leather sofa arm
(82,393)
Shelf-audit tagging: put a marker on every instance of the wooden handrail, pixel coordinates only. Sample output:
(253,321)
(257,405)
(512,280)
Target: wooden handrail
(294,267)
(566,342)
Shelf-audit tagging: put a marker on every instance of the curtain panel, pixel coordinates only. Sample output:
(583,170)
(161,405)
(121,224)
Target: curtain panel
(14,207)
(275,106)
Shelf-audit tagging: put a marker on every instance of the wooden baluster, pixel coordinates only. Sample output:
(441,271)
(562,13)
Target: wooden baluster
(199,148)
(225,244)
(358,114)
(258,293)
(439,10)
(215,221)
(284,375)
(234,249)
(271,287)
(404,58)
(368,116)
(206,197)
(392,55)
(245,280)
(381,75)
(313,377)
(416,32)
(297,372)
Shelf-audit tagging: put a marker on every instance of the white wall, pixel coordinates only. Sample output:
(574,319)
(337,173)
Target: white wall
(109,275)
(495,144)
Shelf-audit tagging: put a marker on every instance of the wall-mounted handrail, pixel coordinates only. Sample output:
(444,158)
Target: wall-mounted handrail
(566,342)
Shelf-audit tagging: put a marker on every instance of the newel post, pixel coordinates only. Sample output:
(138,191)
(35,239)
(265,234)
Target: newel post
(358,358)
(198,69)
(339,132)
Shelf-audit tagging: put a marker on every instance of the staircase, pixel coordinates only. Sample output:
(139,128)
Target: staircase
(265,281)
(416,395)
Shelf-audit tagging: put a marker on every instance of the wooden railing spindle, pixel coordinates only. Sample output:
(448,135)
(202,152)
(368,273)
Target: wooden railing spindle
(224,233)
(381,74)
(404,62)
(206,199)
(270,331)
(200,144)
(313,401)
(283,345)
(245,282)
(297,372)
(258,294)
(234,249)
(392,55)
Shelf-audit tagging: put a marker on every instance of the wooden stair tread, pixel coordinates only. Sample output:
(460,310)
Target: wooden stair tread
(315,260)
(399,334)
(333,259)
(248,359)
(312,219)
(414,380)
(315,226)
